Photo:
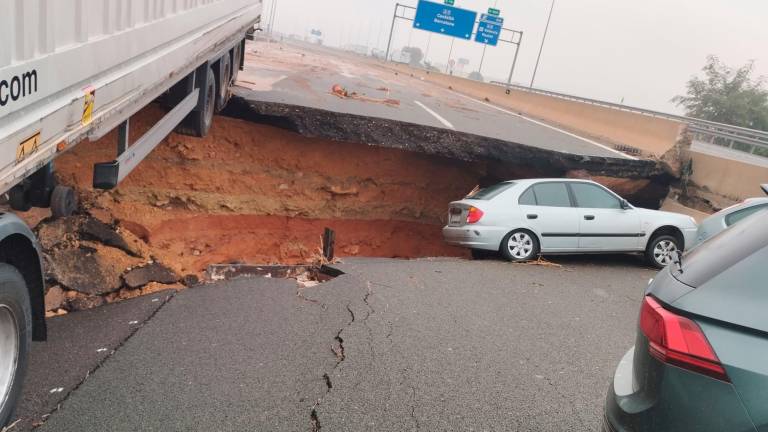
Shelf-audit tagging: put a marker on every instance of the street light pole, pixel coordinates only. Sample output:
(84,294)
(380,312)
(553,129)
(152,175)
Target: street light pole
(541,48)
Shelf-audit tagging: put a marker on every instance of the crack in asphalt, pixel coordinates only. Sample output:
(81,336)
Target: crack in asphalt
(370,312)
(404,377)
(413,408)
(164,302)
(339,352)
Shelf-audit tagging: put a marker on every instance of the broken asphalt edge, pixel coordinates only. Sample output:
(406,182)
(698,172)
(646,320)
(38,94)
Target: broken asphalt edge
(319,123)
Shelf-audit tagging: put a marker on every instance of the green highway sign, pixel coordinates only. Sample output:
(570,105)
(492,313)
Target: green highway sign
(492,11)
(449,2)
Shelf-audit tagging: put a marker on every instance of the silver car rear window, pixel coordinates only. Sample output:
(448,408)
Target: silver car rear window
(490,192)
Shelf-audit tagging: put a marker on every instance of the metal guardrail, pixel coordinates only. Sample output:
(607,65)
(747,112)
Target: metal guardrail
(735,137)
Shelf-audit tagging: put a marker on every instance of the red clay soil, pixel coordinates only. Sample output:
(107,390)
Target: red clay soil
(259,194)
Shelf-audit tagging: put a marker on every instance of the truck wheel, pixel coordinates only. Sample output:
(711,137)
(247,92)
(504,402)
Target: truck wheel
(225,77)
(18,199)
(63,201)
(15,338)
(198,122)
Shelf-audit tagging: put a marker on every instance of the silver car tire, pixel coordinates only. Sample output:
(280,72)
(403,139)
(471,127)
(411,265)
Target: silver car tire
(661,250)
(520,245)
(15,338)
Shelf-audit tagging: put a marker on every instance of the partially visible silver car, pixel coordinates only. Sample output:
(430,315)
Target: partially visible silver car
(730,216)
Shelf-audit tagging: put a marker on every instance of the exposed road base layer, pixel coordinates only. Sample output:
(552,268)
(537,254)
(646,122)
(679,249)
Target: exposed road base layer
(506,159)
(318,123)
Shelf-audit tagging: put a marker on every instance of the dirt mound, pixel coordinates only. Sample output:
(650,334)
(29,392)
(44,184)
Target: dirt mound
(89,262)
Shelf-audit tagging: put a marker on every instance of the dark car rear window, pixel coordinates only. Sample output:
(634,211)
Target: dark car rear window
(490,192)
(722,251)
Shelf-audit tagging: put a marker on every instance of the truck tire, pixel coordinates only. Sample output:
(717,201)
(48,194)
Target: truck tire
(15,338)
(63,201)
(18,199)
(225,79)
(198,122)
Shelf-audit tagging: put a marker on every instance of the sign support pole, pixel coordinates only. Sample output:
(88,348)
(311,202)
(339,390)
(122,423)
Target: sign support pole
(391,30)
(514,60)
(482,57)
(450,53)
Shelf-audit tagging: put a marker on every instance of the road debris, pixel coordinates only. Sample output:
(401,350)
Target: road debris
(341,92)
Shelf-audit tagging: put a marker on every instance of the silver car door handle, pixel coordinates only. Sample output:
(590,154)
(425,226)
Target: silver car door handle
(589,217)
(532,216)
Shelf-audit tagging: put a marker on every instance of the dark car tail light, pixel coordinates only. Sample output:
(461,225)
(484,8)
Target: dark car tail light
(474,215)
(678,341)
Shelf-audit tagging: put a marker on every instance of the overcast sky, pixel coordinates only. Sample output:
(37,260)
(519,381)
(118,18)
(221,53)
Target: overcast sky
(643,51)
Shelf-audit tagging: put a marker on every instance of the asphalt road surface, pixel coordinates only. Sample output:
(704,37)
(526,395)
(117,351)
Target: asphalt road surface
(431,344)
(304,75)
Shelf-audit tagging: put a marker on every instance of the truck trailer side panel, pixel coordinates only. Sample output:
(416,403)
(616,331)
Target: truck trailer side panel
(73,69)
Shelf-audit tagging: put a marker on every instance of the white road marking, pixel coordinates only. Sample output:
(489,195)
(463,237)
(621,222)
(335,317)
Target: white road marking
(436,115)
(547,126)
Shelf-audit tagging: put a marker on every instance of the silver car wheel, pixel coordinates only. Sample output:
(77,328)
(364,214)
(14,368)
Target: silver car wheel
(664,252)
(520,245)
(9,351)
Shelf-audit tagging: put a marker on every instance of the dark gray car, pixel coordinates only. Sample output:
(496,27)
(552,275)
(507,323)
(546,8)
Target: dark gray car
(700,360)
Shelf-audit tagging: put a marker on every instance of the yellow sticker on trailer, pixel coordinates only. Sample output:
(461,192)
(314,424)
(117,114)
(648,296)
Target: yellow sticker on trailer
(88,101)
(27,147)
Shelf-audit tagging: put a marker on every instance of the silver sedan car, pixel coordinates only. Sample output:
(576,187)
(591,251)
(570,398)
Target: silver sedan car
(729,216)
(525,218)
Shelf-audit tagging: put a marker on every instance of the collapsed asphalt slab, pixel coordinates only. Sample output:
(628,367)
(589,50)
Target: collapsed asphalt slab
(342,126)
(643,182)
(431,344)
(78,344)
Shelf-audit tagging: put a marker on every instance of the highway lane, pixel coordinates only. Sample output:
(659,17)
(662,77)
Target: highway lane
(294,74)
(429,344)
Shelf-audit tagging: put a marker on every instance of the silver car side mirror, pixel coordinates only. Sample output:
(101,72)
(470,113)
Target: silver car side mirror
(625,205)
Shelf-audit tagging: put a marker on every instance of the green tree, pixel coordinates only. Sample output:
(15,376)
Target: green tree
(727,95)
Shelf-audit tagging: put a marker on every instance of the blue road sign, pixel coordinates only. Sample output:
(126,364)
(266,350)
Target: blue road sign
(489,29)
(443,19)
(495,19)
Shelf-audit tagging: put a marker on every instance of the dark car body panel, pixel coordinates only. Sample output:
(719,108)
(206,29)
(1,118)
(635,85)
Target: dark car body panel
(723,287)
(744,354)
(724,250)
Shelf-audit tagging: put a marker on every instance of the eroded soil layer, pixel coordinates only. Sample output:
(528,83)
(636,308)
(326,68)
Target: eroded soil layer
(255,193)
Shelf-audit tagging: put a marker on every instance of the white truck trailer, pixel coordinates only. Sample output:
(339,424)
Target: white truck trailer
(76,69)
